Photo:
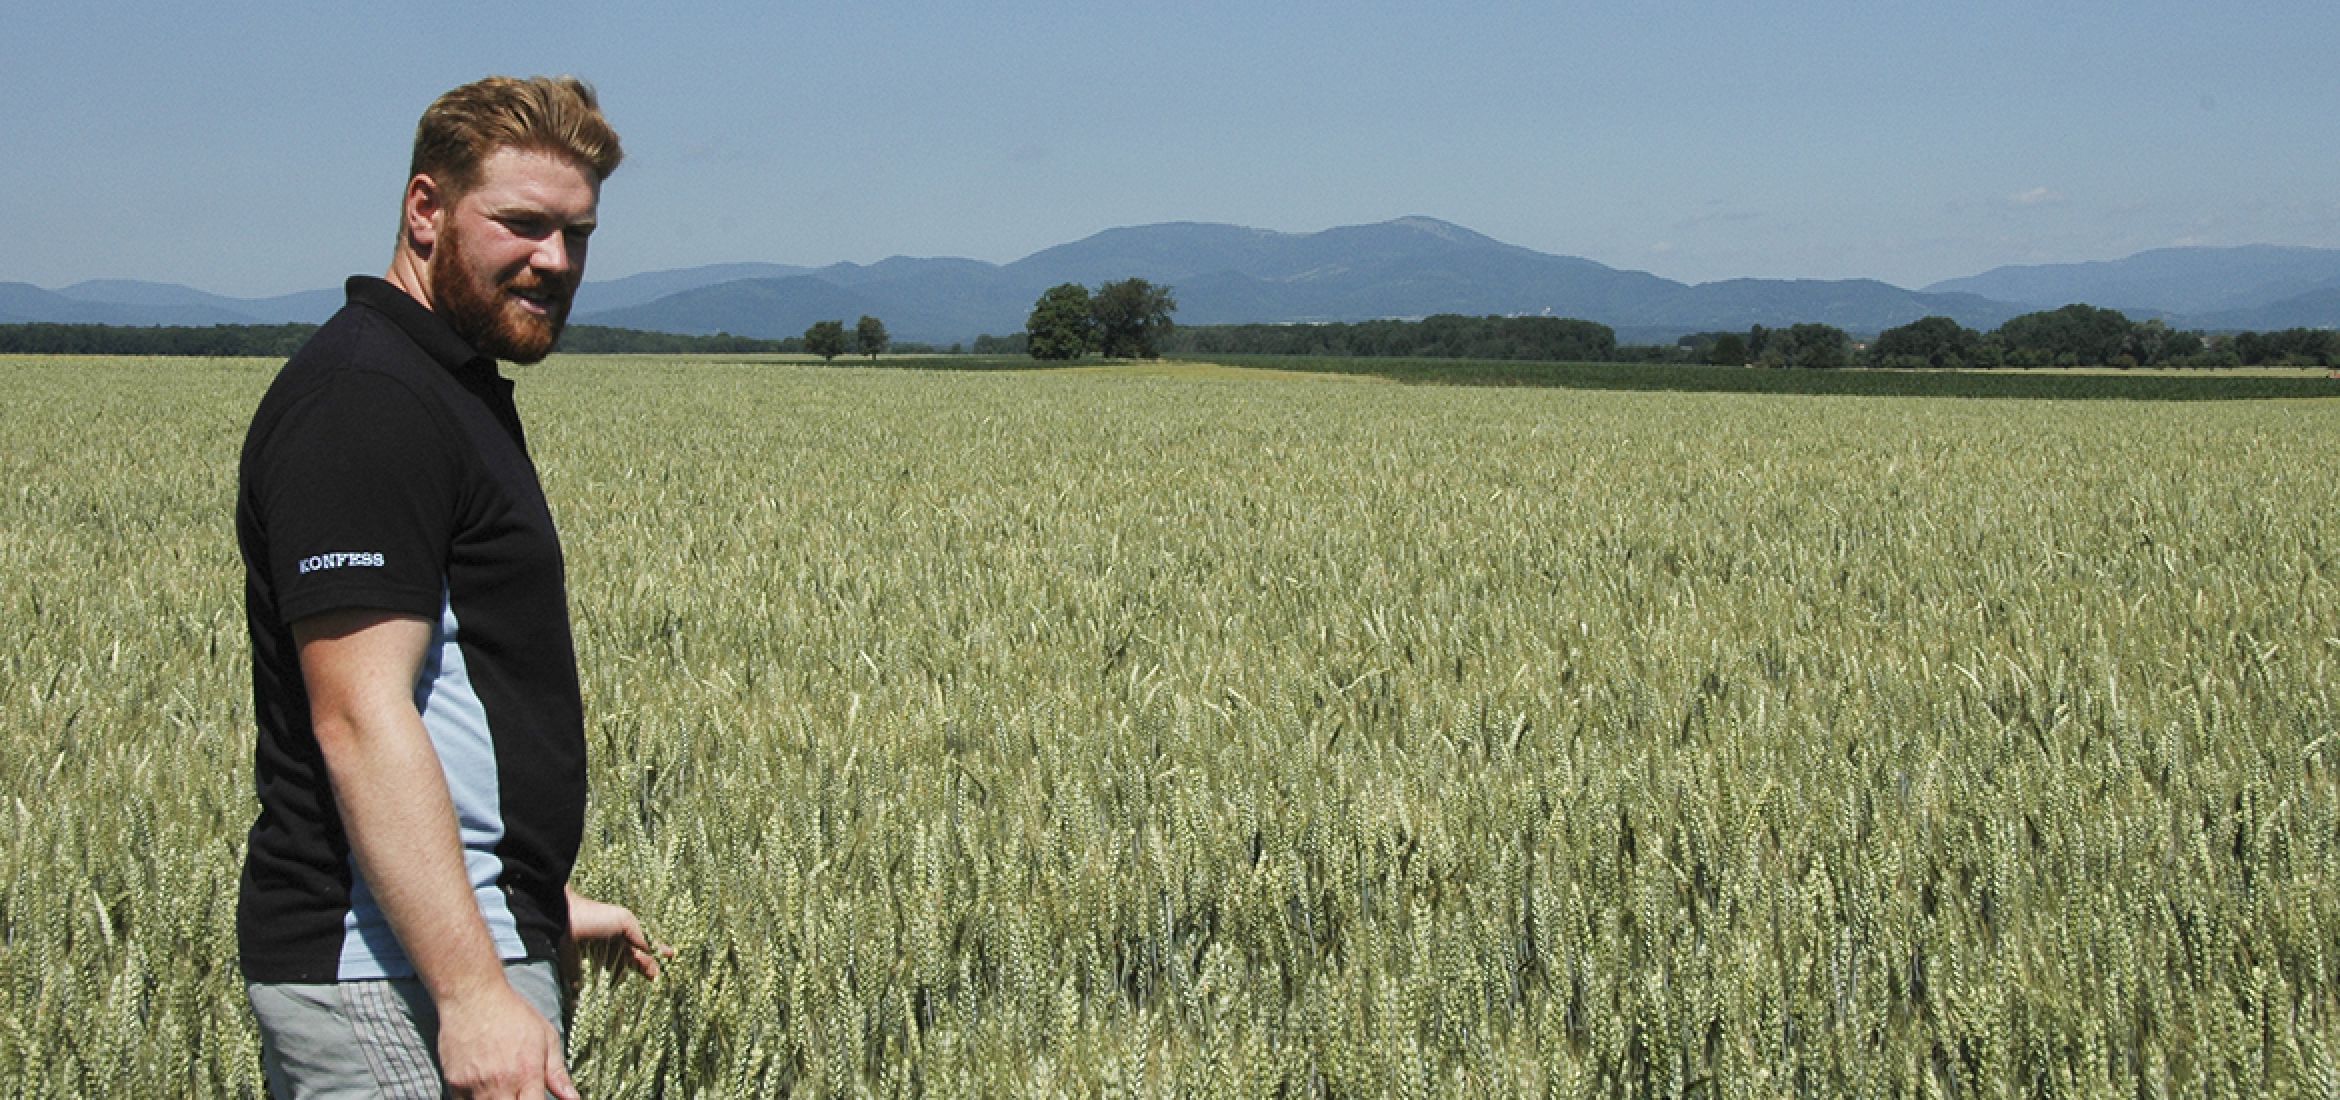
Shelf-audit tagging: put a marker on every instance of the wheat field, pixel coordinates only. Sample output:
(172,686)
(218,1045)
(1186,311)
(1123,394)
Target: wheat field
(1215,733)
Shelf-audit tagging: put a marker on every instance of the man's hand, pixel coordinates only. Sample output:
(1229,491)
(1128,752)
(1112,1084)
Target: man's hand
(496,1046)
(359,668)
(611,935)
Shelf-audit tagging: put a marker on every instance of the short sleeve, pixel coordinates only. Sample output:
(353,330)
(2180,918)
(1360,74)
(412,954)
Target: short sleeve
(357,491)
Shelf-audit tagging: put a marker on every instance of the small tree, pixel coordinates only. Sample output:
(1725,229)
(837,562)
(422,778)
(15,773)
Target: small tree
(870,335)
(1061,325)
(825,339)
(1133,316)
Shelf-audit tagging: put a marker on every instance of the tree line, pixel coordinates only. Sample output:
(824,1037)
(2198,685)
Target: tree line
(45,338)
(2074,335)
(1131,319)
(1442,336)
(279,341)
(2077,335)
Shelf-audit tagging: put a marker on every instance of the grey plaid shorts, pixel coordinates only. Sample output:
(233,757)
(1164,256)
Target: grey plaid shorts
(367,1039)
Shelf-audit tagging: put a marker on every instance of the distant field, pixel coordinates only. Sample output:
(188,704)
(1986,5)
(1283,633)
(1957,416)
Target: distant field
(1185,730)
(2062,383)
(2226,384)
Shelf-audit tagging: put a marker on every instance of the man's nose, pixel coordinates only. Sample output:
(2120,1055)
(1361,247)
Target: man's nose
(553,254)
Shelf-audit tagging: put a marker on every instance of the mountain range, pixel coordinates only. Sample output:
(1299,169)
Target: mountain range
(1409,267)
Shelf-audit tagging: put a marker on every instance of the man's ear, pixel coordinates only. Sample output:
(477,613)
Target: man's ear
(424,212)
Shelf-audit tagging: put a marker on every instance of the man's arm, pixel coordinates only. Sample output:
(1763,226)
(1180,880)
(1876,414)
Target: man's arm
(359,668)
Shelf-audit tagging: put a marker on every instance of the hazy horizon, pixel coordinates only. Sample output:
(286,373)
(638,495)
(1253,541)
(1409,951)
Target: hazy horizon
(1822,141)
(596,275)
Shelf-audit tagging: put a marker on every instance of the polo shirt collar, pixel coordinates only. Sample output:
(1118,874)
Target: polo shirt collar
(427,329)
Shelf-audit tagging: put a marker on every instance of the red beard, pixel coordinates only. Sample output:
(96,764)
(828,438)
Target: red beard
(489,319)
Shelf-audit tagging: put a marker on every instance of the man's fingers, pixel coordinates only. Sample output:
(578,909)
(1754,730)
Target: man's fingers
(644,954)
(500,1048)
(556,1073)
(645,961)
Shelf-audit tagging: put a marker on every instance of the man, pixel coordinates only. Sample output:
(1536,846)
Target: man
(421,758)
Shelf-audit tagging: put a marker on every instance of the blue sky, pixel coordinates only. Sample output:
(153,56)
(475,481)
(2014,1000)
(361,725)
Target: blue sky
(258,148)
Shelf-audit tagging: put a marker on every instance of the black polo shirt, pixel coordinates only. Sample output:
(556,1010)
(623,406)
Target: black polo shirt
(386,470)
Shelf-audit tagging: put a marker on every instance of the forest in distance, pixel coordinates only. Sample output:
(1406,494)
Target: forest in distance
(2075,335)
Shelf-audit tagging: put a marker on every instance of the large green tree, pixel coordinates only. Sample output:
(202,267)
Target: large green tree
(2077,335)
(1938,343)
(1803,345)
(825,339)
(869,334)
(1133,316)
(1061,325)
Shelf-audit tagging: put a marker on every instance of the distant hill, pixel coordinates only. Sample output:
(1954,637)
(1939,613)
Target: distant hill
(1226,274)
(133,292)
(21,303)
(132,302)
(633,290)
(1408,267)
(305,307)
(2314,309)
(1411,267)
(2182,283)
(929,301)
(763,308)
(1856,305)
